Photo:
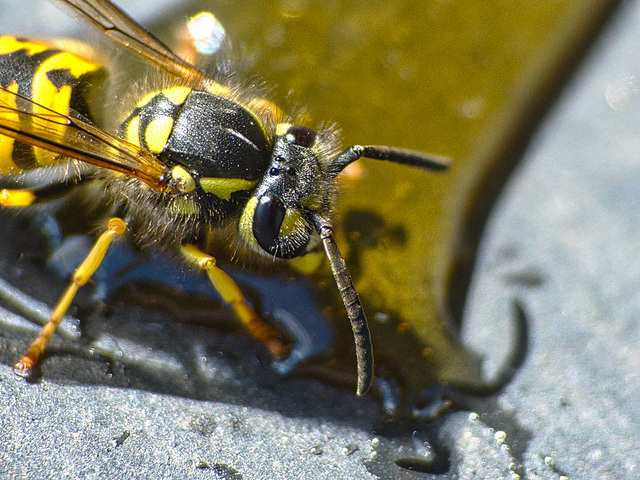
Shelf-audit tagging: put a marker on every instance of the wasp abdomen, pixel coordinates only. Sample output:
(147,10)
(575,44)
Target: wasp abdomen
(49,77)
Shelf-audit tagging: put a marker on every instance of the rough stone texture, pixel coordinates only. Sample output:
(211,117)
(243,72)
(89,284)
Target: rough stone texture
(568,226)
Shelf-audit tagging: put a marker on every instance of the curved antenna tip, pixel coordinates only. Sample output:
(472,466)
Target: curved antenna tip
(355,312)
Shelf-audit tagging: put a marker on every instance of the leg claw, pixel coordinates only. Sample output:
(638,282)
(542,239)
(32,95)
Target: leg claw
(24,369)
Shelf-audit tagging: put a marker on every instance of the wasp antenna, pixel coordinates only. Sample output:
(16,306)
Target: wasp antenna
(355,312)
(402,156)
(405,156)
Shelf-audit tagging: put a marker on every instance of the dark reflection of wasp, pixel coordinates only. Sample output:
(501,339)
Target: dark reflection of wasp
(196,163)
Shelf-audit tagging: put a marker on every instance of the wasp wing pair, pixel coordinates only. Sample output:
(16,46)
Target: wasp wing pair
(82,140)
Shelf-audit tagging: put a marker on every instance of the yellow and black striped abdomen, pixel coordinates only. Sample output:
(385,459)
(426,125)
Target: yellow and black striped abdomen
(52,78)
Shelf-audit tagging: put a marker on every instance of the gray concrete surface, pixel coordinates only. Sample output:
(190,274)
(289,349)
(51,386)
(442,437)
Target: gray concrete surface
(569,217)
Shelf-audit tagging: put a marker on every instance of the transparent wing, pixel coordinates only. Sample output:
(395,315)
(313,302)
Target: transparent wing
(124,30)
(72,136)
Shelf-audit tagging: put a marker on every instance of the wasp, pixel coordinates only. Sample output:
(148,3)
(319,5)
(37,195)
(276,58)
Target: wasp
(197,162)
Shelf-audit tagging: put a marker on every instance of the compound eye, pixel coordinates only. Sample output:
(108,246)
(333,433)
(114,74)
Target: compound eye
(267,219)
(304,136)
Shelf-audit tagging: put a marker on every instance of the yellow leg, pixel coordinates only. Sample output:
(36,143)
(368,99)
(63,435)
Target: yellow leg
(24,367)
(16,198)
(231,293)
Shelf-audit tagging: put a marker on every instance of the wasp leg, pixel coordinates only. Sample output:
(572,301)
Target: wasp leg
(16,198)
(231,293)
(24,367)
(42,192)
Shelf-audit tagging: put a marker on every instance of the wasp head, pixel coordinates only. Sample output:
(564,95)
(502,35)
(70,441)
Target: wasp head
(279,217)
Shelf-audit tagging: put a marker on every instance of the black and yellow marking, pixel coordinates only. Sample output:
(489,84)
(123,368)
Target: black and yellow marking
(223,188)
(177,124)
(150,124)
(49,77)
